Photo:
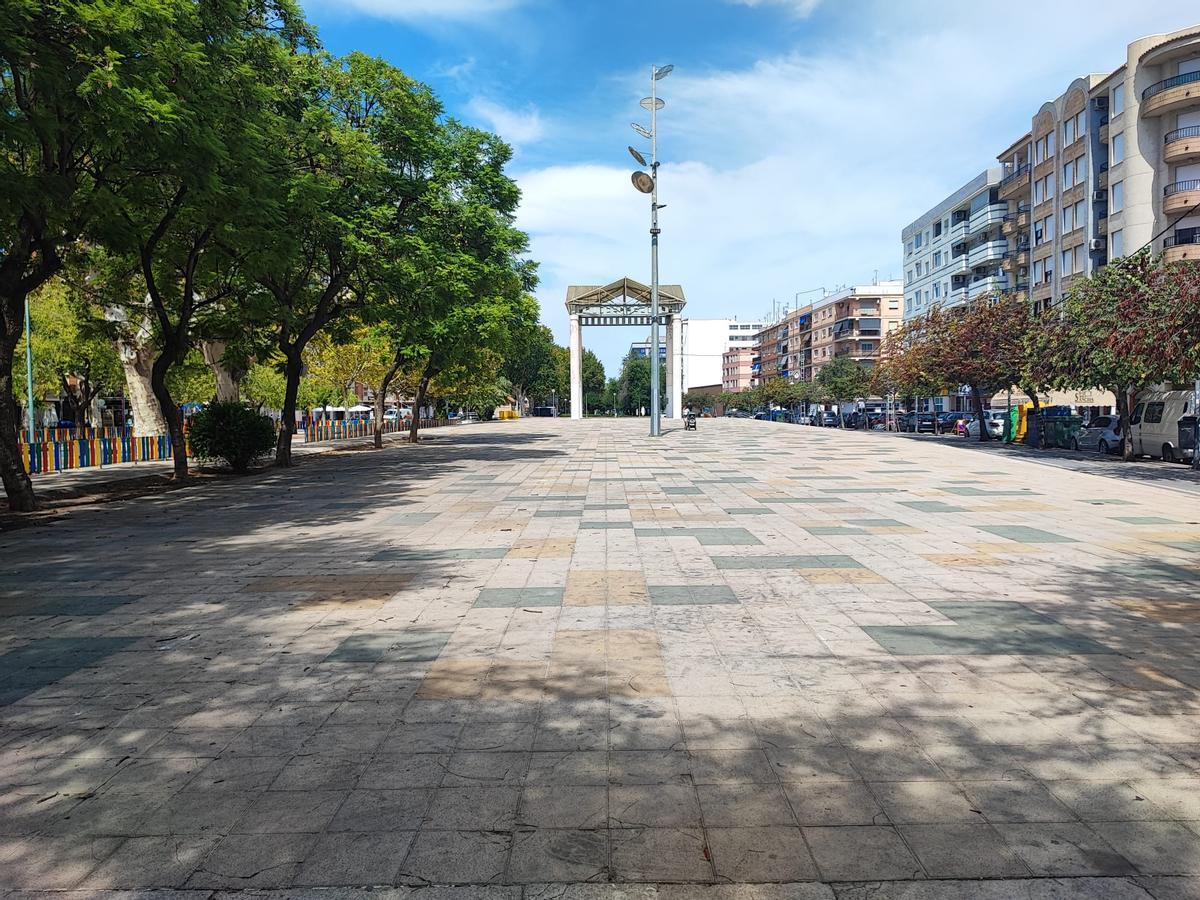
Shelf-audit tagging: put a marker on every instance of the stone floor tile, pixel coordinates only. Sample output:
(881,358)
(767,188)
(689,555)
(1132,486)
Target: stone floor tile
(164,861)
(742,805)
(962,851)
(1156,848)
(1016,801)
(758,854)
(653,806)
(281,812)
(834,803)
(474,807)
(457,857)
(854,853)
(354,858)
(573,807)
(1064,849)
(559,855)
(252,861)
(660,854)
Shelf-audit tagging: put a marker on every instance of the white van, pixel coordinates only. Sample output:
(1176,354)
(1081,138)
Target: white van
(1154,423)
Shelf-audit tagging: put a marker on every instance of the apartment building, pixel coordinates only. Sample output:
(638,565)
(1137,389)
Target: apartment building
(1153,145)
(853,323)
(1110,166)
(703,346)
(780,346)
(737,372)
(1015,189)
(955,251)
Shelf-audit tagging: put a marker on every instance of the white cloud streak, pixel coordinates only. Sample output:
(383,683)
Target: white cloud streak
(517,127)
(801,8)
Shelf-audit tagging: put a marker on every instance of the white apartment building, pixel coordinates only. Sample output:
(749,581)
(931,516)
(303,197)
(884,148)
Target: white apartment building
(954,252)
(704,343)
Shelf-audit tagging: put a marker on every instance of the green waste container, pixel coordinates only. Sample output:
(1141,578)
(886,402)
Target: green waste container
(1060,431)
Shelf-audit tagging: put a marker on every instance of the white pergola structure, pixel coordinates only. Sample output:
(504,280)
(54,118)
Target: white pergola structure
(625,302)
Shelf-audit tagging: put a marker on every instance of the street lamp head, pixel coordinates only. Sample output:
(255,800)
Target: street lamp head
(653,103)
(663,72)
(640,130)
(642,182)
(641,160)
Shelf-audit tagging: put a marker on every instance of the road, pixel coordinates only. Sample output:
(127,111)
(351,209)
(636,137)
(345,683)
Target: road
(547,659)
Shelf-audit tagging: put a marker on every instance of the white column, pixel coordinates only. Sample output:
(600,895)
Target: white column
(674,371)
(576,368)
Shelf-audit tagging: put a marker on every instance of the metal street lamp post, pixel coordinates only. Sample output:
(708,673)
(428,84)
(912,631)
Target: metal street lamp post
(29,373)
(649,185)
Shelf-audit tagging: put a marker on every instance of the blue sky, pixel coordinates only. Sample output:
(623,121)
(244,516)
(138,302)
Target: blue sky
(799,137)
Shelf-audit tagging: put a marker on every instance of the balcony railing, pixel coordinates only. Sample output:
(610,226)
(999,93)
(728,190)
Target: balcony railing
(1180,187)
(1166,85)
(1181,240)
(1180,134)
(1016,173)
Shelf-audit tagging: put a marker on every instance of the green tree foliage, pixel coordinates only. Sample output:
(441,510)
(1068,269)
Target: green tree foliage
(633,384)
(231,432)
(593,382)
(843,381)
(72,354)
(529,364)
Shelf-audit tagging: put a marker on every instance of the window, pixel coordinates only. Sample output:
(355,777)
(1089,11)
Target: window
(1154,413)
(918,240)
(908,248)
(1043,148)
(1118,149)
(1073,128)
(1116,199)
(1116,242)
(1117,104)
(937,229)
(937,258)
(937,291)
(1068,258)
(1039,267)
(867,346)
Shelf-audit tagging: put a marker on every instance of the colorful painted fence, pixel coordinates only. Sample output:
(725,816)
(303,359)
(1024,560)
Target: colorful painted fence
(60,456)
(319,430)
(74,433)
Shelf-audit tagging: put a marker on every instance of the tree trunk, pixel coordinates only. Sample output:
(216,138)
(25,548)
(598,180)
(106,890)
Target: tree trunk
(137,360)
(1123,410)
(1039,443)
(977,402)
(381,399)
(418,402)
(228,387)
(170,412)
(293,369)
(17,484)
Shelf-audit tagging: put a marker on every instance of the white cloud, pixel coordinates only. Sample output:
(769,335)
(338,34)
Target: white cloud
(802,8)
(801,170)
(517,127)
(422,10)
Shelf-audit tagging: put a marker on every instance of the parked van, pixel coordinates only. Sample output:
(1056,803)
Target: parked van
(1154,424)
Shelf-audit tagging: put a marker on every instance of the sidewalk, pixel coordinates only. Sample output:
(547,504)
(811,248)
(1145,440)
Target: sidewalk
(54,483)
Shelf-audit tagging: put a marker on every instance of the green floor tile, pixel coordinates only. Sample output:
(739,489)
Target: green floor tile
(750,511)
(803,561)
(706,536)
(605,526)
(990,612)
(982,492)
(691,595)
(877,523)
(800,500)
(512,598)
(931,506)
(606,506)
(834,530)
(979,640)
(864,490)
(681,491)
(558,514)
(1146,520)
(1025,535)
(413,519)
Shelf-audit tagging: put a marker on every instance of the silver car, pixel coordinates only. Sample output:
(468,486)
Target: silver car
(1102,433)
(995,424)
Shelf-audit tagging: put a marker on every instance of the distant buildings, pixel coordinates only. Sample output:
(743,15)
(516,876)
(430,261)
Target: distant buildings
(705,342)
(737,372)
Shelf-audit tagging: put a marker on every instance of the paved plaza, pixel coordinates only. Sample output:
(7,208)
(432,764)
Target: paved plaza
(551,660)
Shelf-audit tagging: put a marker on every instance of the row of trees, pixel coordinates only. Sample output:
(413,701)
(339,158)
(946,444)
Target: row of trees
(200,172)
(842,380)
(1130,325)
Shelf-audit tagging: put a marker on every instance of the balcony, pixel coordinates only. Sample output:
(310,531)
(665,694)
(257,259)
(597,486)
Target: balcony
(956,265)
(1182,145)
(988,284)
(1015,183)
(1104,134)
(957,232)
(1102,225)
(987,217)
(1181,197)
(1182,247)
(989,251)
(1102,178)
(1172,95)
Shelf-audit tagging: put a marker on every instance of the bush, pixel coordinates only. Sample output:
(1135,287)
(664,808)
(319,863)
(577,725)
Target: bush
(232,432)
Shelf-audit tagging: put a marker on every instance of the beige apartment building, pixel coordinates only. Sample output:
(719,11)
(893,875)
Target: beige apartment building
(1108,167)
(853,323)
(737,372)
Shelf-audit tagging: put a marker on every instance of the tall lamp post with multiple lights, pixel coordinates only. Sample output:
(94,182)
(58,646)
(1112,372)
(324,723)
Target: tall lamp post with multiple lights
(648,184)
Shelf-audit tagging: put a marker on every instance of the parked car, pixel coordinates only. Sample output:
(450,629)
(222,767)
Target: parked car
(917,423)
(995,423)
(1154,424)
(827,418)
(948,421)
(1103,433)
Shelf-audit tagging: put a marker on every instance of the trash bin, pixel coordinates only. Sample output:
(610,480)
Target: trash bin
(1187,437)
